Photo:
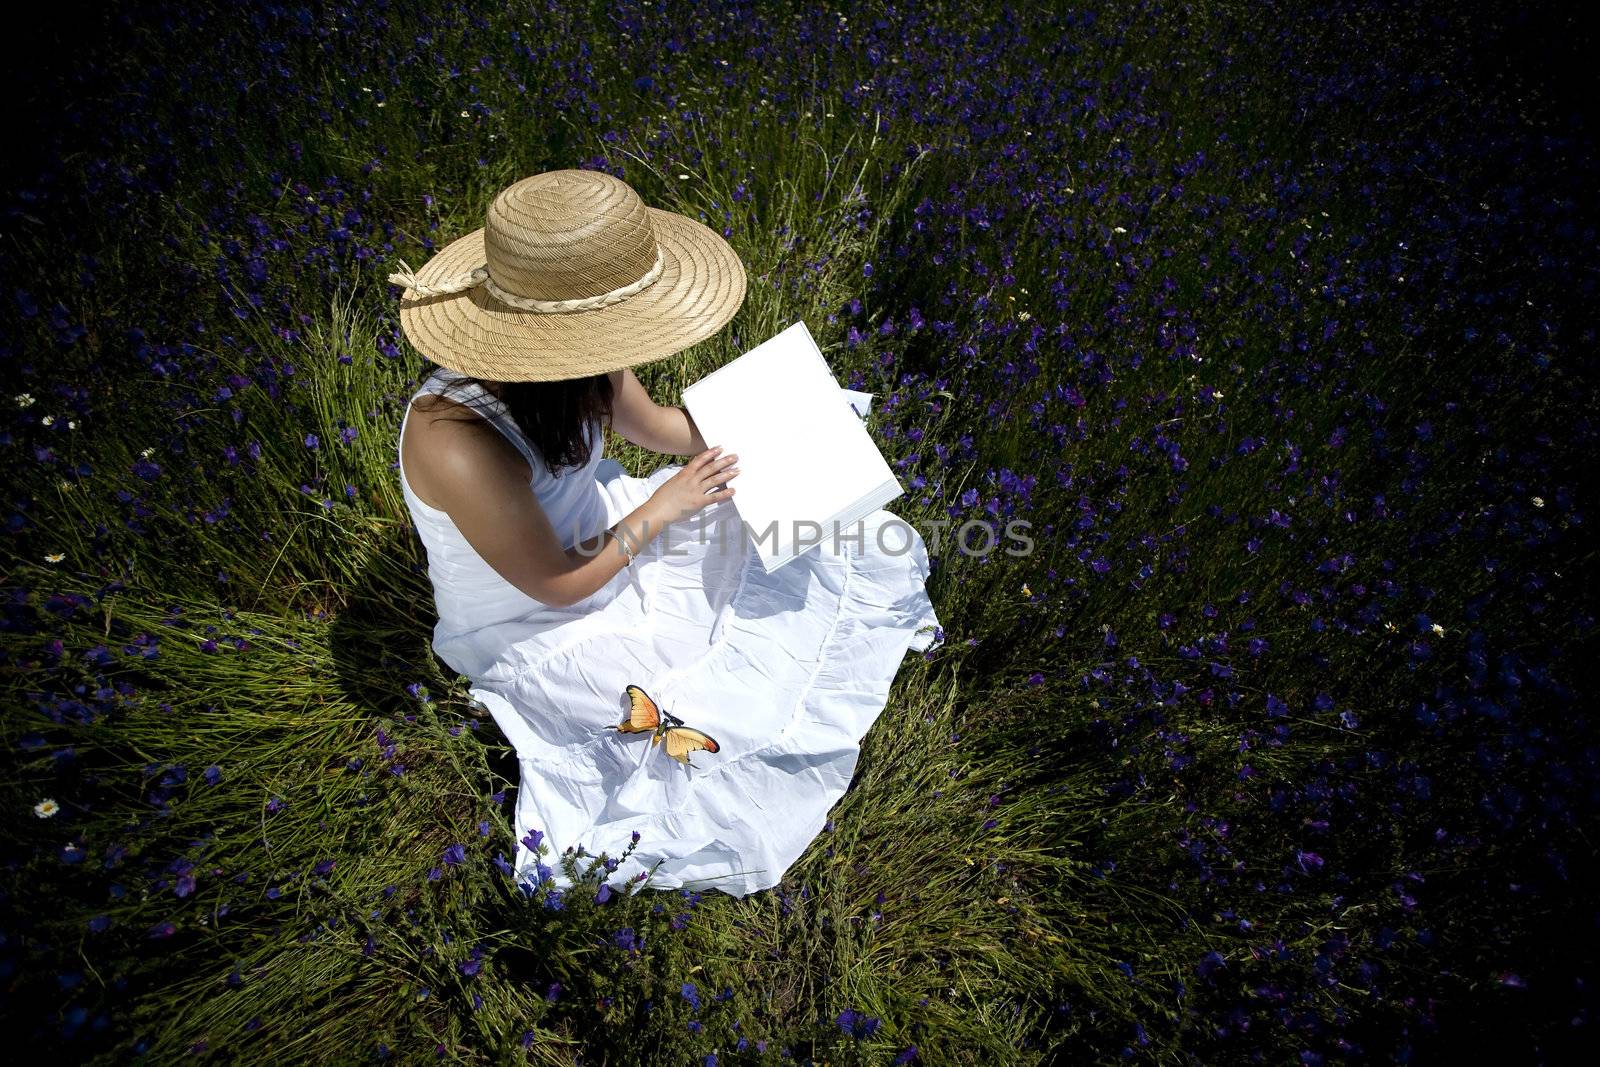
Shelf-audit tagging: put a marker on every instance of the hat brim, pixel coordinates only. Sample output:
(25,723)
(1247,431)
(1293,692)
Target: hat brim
(701,286)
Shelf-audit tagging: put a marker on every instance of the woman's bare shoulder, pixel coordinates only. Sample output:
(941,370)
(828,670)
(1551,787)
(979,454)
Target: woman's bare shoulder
(449,442)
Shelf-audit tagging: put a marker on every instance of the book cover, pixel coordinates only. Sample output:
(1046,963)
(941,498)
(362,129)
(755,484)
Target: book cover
(807,465)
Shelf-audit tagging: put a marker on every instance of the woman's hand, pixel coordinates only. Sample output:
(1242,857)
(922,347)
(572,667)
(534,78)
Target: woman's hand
(702,481)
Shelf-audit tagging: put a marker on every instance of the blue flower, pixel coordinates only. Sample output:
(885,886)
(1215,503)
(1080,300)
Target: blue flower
(857,1025)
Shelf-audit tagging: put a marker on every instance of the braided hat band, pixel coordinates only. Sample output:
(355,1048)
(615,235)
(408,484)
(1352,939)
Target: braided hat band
(407,278)
(610,282)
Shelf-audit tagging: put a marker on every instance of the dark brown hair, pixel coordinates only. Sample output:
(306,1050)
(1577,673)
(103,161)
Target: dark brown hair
(553,416)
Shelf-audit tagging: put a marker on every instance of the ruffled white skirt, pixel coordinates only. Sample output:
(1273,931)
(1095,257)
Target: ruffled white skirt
(787,671)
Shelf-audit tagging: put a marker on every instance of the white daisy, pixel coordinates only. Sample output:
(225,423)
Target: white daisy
(46,808)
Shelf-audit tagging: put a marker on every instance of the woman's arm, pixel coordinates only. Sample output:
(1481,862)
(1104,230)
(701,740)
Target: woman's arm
(647,424)
(483,483)
(483,486)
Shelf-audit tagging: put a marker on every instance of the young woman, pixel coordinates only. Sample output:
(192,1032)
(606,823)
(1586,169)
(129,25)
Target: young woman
(576,598)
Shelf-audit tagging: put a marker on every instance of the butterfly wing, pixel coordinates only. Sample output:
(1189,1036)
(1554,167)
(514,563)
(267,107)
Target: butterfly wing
(682,740)
(643,715)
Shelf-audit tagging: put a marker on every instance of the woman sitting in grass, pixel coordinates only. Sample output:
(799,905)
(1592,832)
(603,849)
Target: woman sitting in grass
(603,630)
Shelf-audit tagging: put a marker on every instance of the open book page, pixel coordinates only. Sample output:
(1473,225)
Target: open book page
(860,403)
(805,456)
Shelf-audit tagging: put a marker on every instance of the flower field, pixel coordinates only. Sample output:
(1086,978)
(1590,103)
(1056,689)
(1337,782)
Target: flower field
(1275,322)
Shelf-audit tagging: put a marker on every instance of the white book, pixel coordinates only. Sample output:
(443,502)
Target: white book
(807,465)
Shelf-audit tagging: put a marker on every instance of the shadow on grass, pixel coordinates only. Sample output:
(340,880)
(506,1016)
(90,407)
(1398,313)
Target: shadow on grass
(381,642)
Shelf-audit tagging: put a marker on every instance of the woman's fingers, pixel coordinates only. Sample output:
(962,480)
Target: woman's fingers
(718,483)
(711,455)
(710,472)
(717,467)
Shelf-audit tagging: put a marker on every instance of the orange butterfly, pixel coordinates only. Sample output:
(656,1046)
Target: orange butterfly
(645,716)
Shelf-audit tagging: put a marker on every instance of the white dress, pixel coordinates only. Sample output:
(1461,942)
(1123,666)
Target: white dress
(786,671)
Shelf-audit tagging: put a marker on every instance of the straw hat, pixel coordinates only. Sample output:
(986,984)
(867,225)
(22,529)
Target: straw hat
(572,275)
